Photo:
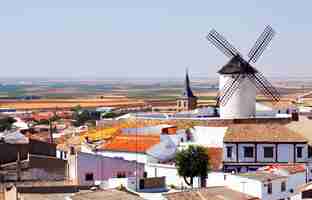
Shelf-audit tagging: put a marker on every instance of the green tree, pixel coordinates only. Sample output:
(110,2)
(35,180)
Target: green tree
(110,115)
(81,117)
(6,123)
(192,162)
(76,108)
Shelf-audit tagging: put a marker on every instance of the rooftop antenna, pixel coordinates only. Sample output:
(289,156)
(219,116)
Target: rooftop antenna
(136,152)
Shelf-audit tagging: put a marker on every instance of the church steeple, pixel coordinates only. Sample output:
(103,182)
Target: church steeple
(187,86)
(188,101)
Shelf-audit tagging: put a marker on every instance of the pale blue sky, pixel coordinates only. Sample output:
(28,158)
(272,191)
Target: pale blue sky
(144,38)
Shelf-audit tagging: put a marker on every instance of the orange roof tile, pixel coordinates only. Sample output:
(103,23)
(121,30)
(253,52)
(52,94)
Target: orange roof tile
(261,133)
(131,143)
(215,158)
(291,168)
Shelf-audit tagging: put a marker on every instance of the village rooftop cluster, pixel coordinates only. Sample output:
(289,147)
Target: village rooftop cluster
(253,151)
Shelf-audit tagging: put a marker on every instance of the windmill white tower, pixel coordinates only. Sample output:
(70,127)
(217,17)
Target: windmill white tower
(239,80)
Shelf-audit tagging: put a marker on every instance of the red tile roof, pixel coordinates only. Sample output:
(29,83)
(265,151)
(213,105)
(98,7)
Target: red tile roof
(131,143)
(215,158)
(262,133)
(291,168)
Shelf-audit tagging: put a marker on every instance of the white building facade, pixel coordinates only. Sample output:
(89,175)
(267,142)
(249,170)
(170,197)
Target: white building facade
(250,146)
(243,157)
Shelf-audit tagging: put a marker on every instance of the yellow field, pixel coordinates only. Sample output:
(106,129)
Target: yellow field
(69,103)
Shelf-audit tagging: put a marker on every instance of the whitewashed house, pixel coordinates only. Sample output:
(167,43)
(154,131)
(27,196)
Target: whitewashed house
(206,136)
(89,169)
(271,182)
(250,146)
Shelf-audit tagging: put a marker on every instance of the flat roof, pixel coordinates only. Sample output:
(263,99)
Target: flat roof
(110,194)
(210,193)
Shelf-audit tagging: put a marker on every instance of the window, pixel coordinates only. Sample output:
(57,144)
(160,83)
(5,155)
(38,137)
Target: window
(89,177)
(269,188)
(299,152)
(229,151)
(309,151)
(121,174)
(248,152)
(268,152)
(283,186)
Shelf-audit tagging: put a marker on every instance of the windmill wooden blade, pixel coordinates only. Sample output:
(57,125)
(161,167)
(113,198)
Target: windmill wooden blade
(264,86)
(230,90)
(273,91)
(217,100)
(222,91)
(222,44)
(258,85)
(261,44)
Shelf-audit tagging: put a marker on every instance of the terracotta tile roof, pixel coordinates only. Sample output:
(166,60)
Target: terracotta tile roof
(210,193)
(261,133)
(303,126)
(215,158)
(290,168)
(131,143)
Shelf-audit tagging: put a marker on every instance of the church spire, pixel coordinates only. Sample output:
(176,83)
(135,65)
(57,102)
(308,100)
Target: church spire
(187,86)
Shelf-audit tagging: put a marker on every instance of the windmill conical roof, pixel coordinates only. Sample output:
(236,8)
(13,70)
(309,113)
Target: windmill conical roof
(237,65)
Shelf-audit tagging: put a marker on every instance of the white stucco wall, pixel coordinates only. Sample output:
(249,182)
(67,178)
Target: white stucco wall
(176,138)
(242,103)
(169,171)
(258,188)
(285,153)
(101,167)
(208,136)
(142,158)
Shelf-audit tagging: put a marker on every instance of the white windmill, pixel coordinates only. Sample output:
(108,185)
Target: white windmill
(239,80)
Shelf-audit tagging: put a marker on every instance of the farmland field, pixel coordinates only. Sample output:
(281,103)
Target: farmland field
(46,94)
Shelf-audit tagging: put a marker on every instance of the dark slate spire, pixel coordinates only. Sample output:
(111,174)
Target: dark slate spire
(187,86)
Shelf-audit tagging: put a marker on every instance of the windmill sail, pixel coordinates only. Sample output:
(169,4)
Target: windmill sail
(222,44)
(261,44)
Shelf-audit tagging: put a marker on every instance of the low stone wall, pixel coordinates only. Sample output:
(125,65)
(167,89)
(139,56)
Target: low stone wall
(48,189)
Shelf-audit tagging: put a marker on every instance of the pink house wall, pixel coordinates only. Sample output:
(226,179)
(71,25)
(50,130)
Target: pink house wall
(104,168)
